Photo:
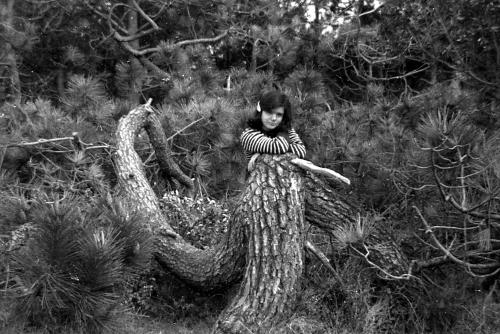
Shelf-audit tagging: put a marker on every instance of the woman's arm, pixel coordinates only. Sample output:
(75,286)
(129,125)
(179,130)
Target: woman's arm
(296,144)
(254,141)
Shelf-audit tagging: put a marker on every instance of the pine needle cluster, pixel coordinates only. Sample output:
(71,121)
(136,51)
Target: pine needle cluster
(75,265)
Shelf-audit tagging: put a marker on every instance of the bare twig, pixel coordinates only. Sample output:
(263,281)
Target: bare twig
(184,128)
(453,228)
(40,141)
(75,141)
(406,276)
(322,257)
(448,254)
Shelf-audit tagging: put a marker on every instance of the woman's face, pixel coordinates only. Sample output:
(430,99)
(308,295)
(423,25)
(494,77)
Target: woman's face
(271,119)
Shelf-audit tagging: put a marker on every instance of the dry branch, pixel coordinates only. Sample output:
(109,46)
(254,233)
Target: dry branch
(449,255)
(307,165)
(324,259)
(146,51)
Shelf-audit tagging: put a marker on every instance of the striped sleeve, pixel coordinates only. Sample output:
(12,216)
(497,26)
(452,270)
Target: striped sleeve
(254,141)
(296,144)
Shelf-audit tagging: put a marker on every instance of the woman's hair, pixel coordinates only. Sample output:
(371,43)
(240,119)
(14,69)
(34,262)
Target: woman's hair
(269,101)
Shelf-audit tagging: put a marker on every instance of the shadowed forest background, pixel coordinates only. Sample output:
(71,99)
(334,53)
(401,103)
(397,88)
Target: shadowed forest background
(401,97)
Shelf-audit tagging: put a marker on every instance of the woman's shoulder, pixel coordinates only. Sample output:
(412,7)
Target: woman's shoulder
(250,130)
(249,133)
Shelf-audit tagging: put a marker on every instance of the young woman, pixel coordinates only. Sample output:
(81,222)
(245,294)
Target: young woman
(270,129)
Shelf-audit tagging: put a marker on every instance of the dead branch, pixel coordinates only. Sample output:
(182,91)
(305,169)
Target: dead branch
(322,257)
(387,275)
(184,128)
(172,47)
(449,255)
(307,165)
(135,35)
(38,142)
(202,40)
(75,141)
(145,16)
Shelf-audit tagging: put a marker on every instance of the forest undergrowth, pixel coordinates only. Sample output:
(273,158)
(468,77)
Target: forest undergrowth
(70,262)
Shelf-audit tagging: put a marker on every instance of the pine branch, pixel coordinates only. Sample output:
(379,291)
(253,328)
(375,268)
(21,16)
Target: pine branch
(145,16)
(143,52)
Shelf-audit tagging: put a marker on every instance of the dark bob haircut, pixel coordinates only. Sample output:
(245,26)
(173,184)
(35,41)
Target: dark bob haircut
(269,101)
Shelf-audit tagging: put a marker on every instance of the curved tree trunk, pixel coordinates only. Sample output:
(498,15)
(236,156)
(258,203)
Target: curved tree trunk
(264,244)
(211,268)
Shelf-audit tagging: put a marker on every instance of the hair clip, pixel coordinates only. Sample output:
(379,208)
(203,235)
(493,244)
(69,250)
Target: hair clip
(258,107)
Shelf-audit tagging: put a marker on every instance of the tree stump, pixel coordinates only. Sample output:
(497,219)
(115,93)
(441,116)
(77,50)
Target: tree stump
(273,213)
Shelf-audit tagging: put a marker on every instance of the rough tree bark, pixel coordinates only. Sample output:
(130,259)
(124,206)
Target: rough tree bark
(264,244)
(211,268)
(273,213)
(328,210)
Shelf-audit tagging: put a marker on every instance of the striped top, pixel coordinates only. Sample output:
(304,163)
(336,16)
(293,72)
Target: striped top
(255,141)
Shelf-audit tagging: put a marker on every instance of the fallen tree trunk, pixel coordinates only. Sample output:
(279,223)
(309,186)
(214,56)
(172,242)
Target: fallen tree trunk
(265,242)
(367,236)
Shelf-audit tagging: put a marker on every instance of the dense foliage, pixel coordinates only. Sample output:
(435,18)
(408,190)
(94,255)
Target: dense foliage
(404,99)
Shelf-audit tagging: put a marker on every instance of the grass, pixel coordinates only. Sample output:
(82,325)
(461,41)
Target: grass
(128,324)
(479,316)
(134,324)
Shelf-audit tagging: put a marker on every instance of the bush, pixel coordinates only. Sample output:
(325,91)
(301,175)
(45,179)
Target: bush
(73,269)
